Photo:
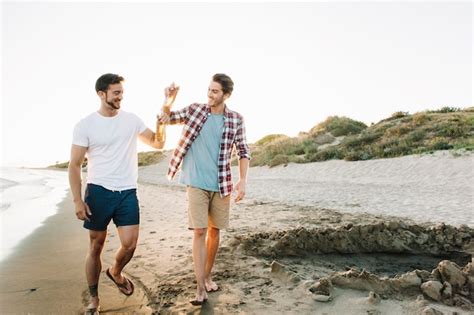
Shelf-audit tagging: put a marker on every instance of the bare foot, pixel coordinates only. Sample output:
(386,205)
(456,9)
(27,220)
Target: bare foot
(211,286)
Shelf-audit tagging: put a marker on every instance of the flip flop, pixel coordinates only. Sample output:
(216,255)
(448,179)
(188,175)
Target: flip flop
(196,302)
(92,311)
(122,286)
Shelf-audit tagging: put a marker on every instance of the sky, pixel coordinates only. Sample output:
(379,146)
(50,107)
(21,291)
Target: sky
(293,64)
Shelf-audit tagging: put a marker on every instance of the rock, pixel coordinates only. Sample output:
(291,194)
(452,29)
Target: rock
(447,293)
(423,275)
(406,280)
(373,298)
(462,302)
(393,225)
(322,297)
(452,273)
(283,273)
(322,287)
(432,289)
(469,269)
(421,301)
(435,275)
(431,311)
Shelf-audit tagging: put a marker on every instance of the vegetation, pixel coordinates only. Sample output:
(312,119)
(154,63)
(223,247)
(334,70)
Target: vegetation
(144,159)
(344,138)
(149,158)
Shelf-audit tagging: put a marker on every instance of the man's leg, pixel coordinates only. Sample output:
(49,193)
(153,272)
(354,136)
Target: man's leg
(94,264)
(218,219)
(128,240)
(199,259)
(213,237)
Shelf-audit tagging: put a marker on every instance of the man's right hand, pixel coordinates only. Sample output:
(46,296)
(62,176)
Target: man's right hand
(82,210)
(164,118)
(170,94)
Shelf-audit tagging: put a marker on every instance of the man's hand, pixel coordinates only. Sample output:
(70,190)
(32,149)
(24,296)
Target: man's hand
(170,94)
(82,210)
(164,118)
(240,188)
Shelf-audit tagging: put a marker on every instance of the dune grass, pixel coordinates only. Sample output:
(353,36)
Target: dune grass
(344,138)
(144,159)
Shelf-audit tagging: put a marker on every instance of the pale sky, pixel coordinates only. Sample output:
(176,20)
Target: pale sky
(293,64)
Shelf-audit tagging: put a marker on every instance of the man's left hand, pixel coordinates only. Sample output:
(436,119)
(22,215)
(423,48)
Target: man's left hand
(240,188)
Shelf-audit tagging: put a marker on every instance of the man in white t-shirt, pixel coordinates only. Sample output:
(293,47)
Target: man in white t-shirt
(109,138)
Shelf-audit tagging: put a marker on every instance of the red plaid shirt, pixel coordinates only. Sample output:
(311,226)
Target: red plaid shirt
(193,117)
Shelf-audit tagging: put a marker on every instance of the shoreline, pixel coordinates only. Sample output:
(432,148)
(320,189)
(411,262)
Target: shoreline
(45,272)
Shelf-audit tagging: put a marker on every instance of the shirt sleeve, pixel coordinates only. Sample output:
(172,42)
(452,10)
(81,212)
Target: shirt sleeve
(141,127)
(179,116)
(241,141)
(79,135)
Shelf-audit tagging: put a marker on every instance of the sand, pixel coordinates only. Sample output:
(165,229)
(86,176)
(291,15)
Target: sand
(285,209)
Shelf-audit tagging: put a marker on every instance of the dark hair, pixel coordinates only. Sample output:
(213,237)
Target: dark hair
(225,81)
(102,83)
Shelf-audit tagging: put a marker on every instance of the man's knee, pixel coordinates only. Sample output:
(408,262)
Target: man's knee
(97,240)
(96,248)
(130,247)
(200,232)
(213,232)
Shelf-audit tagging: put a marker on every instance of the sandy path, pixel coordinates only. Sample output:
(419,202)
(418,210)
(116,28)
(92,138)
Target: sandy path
(436,187)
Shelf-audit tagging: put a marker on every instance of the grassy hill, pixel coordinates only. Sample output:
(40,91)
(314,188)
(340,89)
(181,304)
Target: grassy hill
(344,138)
(144,159)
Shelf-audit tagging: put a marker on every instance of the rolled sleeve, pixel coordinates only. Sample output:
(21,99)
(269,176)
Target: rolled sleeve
(241,142)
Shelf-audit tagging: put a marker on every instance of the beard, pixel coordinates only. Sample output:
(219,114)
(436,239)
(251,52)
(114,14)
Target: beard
(114,104)
(215,102)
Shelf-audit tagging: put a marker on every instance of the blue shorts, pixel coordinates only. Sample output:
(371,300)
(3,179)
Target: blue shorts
(105,205)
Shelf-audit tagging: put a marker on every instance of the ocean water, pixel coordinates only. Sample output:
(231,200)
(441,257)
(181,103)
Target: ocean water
(27,198)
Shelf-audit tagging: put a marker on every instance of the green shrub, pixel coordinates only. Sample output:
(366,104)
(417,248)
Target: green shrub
(270,138)
(330,153)
(324,138)
(279,159)
(397,130)
(149,158)
(339,126)
(446,109)
(439,143)
(420,119)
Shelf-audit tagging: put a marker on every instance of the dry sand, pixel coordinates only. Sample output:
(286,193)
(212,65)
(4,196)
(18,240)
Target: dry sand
(285,208)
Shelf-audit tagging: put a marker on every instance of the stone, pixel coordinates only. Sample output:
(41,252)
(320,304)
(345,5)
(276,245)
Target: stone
(373,298)
(406,280)
(432,289)
(452,273)
(462,302)
(431,311)
(322,297)
(447,293)
(323,286)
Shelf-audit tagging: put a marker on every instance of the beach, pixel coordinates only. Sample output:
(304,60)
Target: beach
(299,225)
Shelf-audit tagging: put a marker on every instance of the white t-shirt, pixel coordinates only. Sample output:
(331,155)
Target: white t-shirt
(112,148)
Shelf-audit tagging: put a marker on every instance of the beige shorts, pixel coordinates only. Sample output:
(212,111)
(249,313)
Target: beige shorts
(207,208)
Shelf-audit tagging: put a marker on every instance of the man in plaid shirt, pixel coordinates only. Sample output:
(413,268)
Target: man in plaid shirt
(204,152)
